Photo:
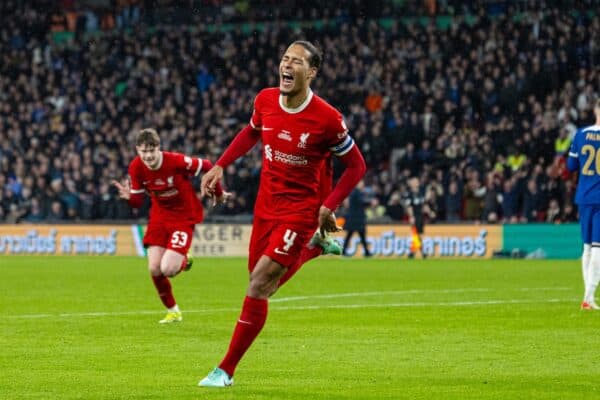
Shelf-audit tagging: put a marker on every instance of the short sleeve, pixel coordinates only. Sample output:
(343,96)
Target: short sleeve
(188,165)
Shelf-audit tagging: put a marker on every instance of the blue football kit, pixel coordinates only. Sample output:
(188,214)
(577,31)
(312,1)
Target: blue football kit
(584,156)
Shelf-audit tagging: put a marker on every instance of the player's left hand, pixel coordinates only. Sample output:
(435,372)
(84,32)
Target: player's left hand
(220,199)
(327,221)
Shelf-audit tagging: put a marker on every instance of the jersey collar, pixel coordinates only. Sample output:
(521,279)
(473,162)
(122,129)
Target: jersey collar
(298,109)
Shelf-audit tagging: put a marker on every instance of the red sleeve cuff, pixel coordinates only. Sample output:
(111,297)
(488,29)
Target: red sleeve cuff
(136,200)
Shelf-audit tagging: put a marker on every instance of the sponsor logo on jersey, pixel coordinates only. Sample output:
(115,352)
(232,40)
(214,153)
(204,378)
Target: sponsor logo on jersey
(285,135)
(290,159)
(303,139)
(159,182)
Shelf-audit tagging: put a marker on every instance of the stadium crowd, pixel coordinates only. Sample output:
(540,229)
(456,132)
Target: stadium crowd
(482,110)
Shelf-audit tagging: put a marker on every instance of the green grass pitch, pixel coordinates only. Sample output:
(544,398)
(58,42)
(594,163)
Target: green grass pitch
(86,328)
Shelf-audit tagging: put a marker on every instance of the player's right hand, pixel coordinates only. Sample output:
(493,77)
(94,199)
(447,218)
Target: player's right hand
(209,181)
(124,188)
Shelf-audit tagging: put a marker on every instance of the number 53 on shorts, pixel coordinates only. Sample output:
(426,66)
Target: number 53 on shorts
(179,239)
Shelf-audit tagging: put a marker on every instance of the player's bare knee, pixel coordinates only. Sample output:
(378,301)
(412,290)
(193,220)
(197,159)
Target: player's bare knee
(261,287)
(154,269)
(169,269)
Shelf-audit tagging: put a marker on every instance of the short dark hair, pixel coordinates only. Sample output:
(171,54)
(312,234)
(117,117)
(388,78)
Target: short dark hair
(316,56)
(149,137)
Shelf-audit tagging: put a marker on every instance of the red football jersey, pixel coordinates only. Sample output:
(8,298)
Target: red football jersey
(173,197)
(297,145)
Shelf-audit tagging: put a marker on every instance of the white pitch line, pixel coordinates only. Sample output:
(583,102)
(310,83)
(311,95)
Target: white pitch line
(317,307)
(413,291)
(424,304)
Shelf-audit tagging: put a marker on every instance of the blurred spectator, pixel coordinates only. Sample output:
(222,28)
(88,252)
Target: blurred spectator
(510,201)
(453,202)
(56,213)
(394,207)
(35,213)
(374,210)
(553,214)
(473,197)
(532,203)
(491,200)
(569,213)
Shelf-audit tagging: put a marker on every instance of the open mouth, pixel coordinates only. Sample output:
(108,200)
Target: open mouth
(287,79)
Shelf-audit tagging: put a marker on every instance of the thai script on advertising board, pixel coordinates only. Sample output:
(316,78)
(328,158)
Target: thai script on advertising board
(388,243)
(34,243)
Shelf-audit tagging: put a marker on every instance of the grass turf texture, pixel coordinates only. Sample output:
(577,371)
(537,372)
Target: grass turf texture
(86,328)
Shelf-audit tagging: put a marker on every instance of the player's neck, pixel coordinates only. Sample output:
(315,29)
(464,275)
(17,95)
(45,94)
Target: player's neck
(296,100)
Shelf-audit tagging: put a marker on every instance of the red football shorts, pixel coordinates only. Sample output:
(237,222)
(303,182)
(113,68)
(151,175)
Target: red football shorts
(279,240)
(174,236)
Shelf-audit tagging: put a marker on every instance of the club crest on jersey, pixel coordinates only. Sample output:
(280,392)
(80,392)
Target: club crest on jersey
(303,139)
(170,181)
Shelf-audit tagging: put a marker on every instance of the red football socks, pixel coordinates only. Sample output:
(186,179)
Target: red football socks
(251,321)
(306,255)
(163,286)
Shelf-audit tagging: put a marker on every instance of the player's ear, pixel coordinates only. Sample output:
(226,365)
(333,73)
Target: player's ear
(312,73)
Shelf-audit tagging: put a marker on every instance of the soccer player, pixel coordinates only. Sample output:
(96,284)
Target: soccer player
(584,156)
(356,219)
(299,132)
(174,211)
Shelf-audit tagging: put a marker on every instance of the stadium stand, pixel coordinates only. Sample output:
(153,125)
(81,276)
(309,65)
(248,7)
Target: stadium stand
(480,101)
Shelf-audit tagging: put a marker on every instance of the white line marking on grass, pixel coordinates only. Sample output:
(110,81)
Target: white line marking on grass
(314,307)
(424,304)
(113,313)
(413,291)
